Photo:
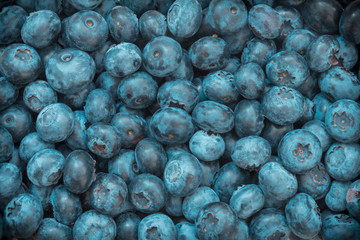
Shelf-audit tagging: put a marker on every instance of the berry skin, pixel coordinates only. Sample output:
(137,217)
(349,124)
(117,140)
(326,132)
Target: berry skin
(182,175)
(23,215)
(157,226)
(342,120)
(92,224)
(41,28)
(251,152)
(283,105)
(303,216)
(55,123)
(20,63)
(184,18)
(147,193)
(299,151)
(61,74)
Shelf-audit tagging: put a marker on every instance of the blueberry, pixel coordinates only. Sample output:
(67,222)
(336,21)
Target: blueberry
(77,100)
(108,193)
(318,128)
(150,157)
(6,145)
(298,41)
(8,93)
(352,199)
(171,126)
(348,53)
(340,226)
(99,55)
(207,146)
(265,22)
(87,4)
(270,223)
(66,205)
(124,165)
(20,64)
(182,175)
(131,128)
(99,106)
(250,80)
(94,225)
(249,118)
(321,105)
(292,20)
(38,95)
(209,169)
(55,123)
(227,16)
(216,221)
(127,226)
(342,120)
(157,226)
(12,19)
(321,53)
(303,216)
(79,171)
(277,182)
(315,182)
(147,193)
(193,203)
(283,105)
(258,51)
(109,83)
(43,194)
(162,56)
(62,74)
(209,53)
(152,24)
(220,87)
(232,65)
(237,40)
(184,18)
(41,28)
(23,215)
(323,16)
(341,161)
(287,68)
(138,90)
(54,6)
(10,179)
(123,24)
(86,30)
(338,83)
(77,139)
(173,206)
(50,229)
(31,144)
(273,133)
(139,6)
(335,199)
(45,168)
(213,116)
(247,200)
(310,87)
(348,21)
(299,151)
(103,140)
(251,152)
(186,230)
(122,59)
(228,178)
(178,93)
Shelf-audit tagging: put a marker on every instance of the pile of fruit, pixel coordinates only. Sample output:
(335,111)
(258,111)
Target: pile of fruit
(179,119)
